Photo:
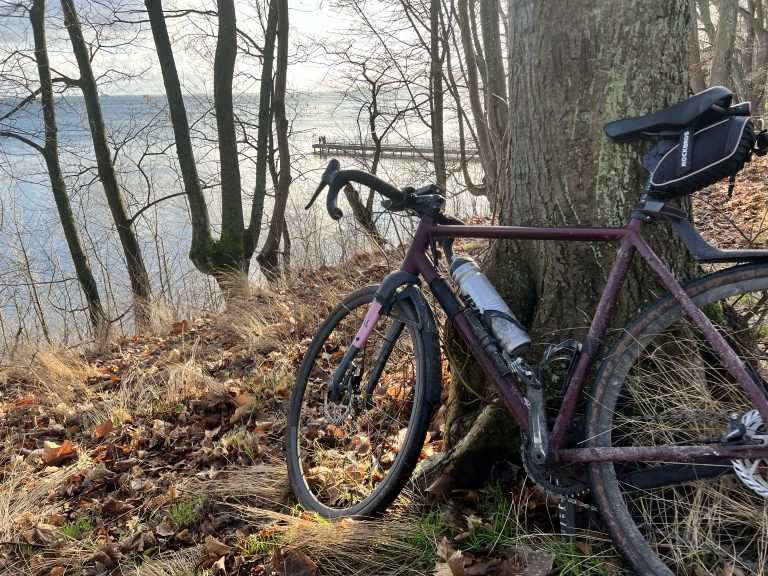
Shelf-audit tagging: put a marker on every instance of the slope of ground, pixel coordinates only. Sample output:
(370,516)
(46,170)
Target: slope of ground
(165,455)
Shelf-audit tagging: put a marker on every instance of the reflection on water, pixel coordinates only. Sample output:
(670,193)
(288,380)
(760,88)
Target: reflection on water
(34,261)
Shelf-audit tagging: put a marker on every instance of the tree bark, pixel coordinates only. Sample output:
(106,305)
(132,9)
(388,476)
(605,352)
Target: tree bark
(137,271)
(50,152)
(725,42)
(570,72)
(231,243)
(269,256)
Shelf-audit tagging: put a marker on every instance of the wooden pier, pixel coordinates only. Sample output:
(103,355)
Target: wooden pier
(402,150)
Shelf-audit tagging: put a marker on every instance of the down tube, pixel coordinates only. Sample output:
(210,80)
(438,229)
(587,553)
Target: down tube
(507,389)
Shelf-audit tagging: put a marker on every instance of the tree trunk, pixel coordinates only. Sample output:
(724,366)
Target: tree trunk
(436,92)
(233,251)
(231,243)
(50,152)
(269,256)
(495,95)
(201,251)
(570,72)
(137,271)
(265,129)
(725,42)
(475,101)
(698,74)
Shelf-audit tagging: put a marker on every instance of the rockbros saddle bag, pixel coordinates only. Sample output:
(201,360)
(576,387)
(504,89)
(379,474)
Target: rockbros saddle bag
(702,155)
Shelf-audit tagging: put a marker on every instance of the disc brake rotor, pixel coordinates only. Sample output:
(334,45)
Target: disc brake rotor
(754,473)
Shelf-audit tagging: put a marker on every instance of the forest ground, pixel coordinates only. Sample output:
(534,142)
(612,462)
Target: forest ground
(163,453)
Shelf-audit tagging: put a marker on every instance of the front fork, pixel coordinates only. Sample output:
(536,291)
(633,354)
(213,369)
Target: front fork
(382,301)
(344,374)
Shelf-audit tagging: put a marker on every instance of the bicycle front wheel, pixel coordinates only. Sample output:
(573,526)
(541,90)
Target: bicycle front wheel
(352,456)
(663,384)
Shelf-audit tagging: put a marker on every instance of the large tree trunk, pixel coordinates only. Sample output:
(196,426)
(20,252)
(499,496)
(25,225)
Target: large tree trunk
(569,72)
(137,271)
(50,152)
(268,258)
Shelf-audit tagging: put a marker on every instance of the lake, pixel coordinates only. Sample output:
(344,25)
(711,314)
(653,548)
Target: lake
(37,275)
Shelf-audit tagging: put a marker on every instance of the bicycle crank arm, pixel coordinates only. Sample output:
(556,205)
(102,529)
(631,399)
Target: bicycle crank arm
(537,417)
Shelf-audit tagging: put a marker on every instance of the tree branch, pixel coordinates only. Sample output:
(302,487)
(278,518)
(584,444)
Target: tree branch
(20,138)
(153,203)
(20,105)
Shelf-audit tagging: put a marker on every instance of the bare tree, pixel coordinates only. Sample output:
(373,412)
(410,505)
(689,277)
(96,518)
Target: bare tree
(137,271)
(232,252)
(50,153)
(268,257)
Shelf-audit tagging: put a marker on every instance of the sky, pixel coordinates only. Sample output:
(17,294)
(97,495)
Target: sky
(309,19)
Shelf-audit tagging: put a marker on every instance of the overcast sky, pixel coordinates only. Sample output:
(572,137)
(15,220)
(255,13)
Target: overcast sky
(309,19)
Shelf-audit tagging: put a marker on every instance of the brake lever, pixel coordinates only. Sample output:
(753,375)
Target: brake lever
(325,180)
(315,195)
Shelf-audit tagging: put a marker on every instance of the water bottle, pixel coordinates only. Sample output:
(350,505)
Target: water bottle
(511,336)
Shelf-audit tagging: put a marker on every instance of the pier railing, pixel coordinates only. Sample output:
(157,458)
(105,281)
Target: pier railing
(351,147)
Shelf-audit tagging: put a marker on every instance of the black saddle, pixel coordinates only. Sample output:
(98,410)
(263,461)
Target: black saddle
(675,118)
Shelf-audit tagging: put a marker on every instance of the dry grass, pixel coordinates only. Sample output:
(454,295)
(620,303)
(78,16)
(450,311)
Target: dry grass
(393,545)
(46,371)
(188,380)
(260,483)
(181,563)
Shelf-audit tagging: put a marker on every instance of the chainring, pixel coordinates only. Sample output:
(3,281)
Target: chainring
(754,473)
(562,481)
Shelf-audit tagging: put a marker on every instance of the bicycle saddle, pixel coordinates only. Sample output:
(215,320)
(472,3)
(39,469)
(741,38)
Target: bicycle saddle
(674,118)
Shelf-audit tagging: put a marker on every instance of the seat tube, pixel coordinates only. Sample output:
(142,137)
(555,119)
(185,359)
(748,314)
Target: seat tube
(594,340)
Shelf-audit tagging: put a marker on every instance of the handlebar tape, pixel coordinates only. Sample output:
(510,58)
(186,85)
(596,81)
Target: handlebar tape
(342,177)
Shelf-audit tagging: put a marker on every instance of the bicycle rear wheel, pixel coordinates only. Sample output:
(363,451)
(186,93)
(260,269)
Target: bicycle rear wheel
(663,384)
(352,457)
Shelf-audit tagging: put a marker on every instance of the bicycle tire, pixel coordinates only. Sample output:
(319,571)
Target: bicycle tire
(661,382)
(356,466)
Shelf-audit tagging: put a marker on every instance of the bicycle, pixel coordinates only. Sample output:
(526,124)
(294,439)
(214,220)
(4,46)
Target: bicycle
(680,479)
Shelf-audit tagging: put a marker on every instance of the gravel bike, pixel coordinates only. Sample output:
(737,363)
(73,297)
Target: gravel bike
(673,446)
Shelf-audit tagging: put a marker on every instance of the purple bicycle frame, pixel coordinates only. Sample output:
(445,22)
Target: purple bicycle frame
(631,241)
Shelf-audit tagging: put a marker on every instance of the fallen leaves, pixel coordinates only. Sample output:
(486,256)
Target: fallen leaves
(516,561)
(292,563)
(54,454)
(104,429)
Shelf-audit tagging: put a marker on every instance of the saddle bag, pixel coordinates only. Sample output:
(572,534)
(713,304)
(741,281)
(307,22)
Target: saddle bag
(700,157)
